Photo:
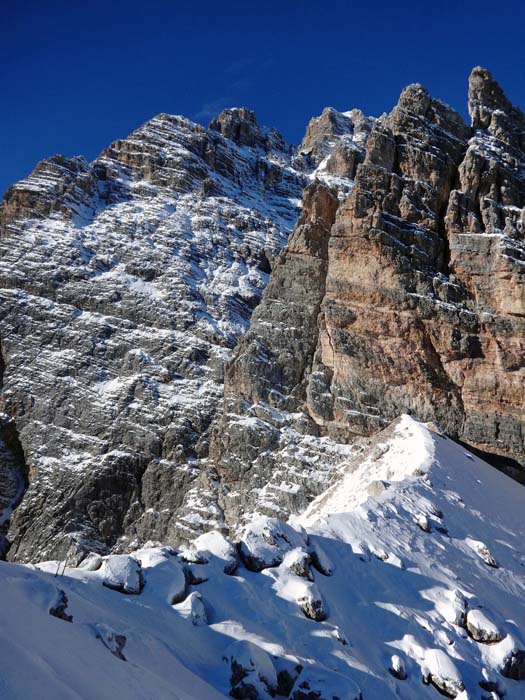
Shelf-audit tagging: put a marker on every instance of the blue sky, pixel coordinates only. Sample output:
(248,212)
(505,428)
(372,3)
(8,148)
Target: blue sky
(76,75)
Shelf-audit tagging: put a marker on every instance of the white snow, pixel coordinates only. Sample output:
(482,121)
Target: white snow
(121,572)
(380,615)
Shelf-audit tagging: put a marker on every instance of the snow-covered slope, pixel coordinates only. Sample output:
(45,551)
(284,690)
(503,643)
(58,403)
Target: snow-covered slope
(413,561)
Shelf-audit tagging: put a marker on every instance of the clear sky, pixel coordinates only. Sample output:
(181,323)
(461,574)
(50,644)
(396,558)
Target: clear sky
(77,74)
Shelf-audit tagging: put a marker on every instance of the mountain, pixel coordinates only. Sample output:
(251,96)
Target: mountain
(125,284)
(252,398)
(391,255)
(406,297)
(405,579)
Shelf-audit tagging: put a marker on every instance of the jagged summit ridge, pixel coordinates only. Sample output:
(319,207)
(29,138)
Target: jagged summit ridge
(240,125)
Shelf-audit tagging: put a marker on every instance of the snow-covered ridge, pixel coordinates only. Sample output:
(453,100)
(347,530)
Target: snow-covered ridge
(405,591)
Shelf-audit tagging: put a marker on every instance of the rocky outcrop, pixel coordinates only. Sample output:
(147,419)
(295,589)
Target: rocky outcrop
(407,298)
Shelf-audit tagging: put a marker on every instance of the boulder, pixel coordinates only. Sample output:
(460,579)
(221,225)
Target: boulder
(298,562)
(265,541)
(253,675)
(193,609)
(514,666)
(481,629)
(122,573)
(215,546)
(440,671)
(311,603)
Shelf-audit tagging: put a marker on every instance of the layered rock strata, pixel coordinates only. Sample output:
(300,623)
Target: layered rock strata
(124,286)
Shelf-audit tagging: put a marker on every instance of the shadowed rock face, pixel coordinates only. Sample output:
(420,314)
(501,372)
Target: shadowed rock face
(419,302)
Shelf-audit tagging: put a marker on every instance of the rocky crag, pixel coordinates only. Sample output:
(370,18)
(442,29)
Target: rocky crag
(406,297)
(127,283)
(124,286)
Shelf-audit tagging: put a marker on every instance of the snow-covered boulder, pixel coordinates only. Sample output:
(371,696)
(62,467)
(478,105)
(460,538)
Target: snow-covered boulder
(193,609)
(214,545)
(397,667)
(122,573)
(452,606)
(253,674)
(163,573)
(311,603)
(191,556)
(481,629)
(482,551)
(92,562)
(441,672)
(148,557)
(298,562)
(265,541)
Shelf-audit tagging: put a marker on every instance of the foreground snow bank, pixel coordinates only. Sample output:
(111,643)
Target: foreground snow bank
(353,599)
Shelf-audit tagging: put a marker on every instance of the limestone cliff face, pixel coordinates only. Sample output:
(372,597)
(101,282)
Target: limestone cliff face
(129,302)
(124,286)
(411,301)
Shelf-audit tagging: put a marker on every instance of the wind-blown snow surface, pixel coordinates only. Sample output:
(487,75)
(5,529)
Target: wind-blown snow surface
(440,536)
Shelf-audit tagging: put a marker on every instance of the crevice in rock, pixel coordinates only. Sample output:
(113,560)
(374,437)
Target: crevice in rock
(453,182)
(442,233)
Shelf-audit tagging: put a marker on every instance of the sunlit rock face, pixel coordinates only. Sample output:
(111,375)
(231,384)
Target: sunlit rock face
(407,297)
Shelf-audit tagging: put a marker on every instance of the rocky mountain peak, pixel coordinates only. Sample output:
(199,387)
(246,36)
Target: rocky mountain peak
(321,131)
(128,285)
(415,98)
(409,306)
(490,109)
(238,124)
(484,97)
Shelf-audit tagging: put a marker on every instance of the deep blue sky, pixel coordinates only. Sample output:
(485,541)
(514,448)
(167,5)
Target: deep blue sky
(77,74)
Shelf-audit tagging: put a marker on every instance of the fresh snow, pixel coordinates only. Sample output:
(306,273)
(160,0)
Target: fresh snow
(397,599)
